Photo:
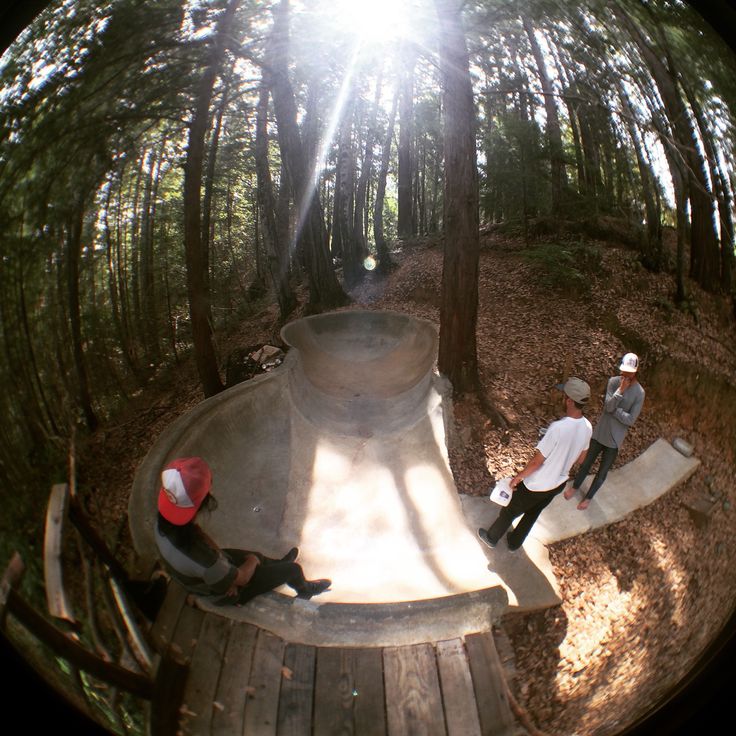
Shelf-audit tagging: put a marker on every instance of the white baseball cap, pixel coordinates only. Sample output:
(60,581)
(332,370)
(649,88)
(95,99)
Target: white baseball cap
(629,363)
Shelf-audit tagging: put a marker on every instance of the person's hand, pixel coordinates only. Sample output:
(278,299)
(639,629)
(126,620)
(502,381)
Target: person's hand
(245,573)
(516,480)
(232,591)
(626,382)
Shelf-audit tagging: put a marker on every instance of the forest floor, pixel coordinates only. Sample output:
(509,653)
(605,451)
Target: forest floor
(642,597)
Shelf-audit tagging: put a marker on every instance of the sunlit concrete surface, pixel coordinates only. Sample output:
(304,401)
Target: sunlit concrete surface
(342,452)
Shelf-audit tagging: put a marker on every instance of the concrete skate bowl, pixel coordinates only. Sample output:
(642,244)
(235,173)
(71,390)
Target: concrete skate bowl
(341,451)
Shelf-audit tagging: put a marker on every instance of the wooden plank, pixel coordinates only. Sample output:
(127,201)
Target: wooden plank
(297,691)
(182,645)
(458,697)
(262,705)
(168,695)
(232,689)
(413,697)
(489,685)
(370,701)
(204,673)
(163,629)
(53,538)
(349,698)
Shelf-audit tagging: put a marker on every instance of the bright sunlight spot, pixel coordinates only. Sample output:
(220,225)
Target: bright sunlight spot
(373,20)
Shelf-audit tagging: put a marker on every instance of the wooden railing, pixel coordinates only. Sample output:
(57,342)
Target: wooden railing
(102,635)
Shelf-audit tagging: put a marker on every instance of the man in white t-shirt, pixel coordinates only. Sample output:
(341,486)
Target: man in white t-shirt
(564,444)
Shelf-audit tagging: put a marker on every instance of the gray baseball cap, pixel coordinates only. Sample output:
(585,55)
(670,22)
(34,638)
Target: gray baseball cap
(576,389)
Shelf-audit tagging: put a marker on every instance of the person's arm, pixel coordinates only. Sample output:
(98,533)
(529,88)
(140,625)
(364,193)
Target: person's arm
(244,574)
(614,394)
(629,417)
(534,464)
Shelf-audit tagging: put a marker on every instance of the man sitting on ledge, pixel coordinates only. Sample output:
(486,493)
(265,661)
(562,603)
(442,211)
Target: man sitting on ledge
(195,561)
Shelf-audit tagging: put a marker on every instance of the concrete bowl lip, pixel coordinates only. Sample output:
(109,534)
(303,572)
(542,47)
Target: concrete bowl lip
(397,623)
(335,315)
(360,354)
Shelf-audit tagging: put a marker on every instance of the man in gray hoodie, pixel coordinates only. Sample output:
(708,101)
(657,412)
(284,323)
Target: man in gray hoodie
(622,405)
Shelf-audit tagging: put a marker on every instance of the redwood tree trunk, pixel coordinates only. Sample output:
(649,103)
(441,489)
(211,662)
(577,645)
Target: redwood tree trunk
(704,251)
(384,257)
(73,253)
(196,252)
(459,307)
(406,135)
(325,291)
(554,134)
(277,254)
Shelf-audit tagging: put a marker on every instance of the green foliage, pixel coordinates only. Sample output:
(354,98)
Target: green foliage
(564,267)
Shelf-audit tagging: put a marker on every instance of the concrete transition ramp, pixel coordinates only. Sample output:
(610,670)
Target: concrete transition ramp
(342,452)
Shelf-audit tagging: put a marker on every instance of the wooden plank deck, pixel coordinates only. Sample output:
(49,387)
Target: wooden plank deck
(246,681)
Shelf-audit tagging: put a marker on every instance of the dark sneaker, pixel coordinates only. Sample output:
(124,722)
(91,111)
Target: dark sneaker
(513,547)
(291,555)
(313,587)
(483,536)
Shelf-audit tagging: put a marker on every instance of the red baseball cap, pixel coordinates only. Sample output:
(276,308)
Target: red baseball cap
(186,482)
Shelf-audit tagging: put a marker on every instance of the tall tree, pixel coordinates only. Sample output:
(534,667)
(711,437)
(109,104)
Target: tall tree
(277,249)
(406,138)
(325,291)
(458,358)
(196,251)
(704,251)
(554,133)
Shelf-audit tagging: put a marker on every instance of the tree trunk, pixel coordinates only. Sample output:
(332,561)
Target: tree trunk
(554,133)
(208,228)
(382,253)
(406,136)
(149,301)
(361,192)
(722,190)
(277,251)
(196,253)
(73,253)
(325,291)
(704,251)
(653,253)
(459,305)
(343,206)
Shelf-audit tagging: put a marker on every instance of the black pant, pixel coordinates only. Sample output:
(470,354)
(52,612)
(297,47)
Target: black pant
(523,501)
(267,576)
(607,460)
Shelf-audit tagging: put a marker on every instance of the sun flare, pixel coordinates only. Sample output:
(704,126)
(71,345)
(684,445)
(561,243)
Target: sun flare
(373,21)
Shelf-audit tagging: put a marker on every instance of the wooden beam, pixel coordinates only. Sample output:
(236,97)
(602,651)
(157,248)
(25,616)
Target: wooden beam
(261,708)
(297,691)
(413,697)
(489,685)
(232,689)
(76,654)
(207,659)
(53,539)
(349,696)
(458,698)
